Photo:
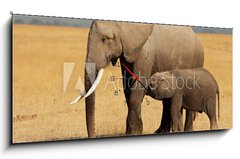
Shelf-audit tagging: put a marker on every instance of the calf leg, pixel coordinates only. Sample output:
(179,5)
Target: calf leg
(188,126)
(166,124)
(176,115)
(211,112)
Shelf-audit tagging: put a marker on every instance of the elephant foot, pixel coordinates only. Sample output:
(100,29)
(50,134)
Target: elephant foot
(190,117)
(134,132)
(162,130)
(188,129)
(134,129)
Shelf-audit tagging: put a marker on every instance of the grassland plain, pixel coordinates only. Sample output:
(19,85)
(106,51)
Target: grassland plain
(41,110)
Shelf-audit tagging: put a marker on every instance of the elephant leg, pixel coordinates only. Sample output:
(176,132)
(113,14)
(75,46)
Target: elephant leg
(176,112)
(166,121)
(213,123)
(134,120)
(180,121)
(211,113)
(176,116)
(133,99)
(188,126)
(134,96)
(127,78)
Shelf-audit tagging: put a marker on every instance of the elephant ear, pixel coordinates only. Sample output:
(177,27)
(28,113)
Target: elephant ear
(167,85)
(133,38)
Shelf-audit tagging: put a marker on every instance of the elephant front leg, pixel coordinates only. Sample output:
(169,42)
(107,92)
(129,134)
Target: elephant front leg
(134,120)
(176,114)
(141,71)
(165,125)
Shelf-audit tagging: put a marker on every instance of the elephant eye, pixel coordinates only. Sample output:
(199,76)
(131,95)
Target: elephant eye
(106,38)
(103,40)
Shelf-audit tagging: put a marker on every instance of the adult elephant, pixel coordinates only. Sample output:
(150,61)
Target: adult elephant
(144,49)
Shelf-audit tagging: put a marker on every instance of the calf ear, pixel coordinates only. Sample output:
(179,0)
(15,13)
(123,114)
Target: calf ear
(167,85)
(133,37)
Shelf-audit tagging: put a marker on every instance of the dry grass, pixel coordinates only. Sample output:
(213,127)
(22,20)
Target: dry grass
(41,110)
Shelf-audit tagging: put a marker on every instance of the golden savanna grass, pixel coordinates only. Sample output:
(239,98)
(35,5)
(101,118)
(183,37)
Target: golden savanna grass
(41,110)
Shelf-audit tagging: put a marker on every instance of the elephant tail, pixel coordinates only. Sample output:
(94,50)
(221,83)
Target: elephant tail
(218,93)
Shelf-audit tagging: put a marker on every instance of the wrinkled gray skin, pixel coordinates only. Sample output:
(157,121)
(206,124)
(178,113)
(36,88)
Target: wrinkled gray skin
(145,49)
(191,89)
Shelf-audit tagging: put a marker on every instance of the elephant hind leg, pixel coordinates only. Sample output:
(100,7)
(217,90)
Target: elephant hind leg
(180,122)
(190,115)
(213,123)
(211,113)
(166,122)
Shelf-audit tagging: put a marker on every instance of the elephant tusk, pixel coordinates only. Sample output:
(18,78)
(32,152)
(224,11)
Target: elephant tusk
(79,97)
(76,100)
(95,84)
(83,94)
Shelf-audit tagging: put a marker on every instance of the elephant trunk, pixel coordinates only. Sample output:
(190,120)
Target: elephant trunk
(90,107)
(91,83)
(92,79)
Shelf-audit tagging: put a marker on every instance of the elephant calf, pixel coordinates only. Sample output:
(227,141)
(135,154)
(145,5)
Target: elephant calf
(191,89)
